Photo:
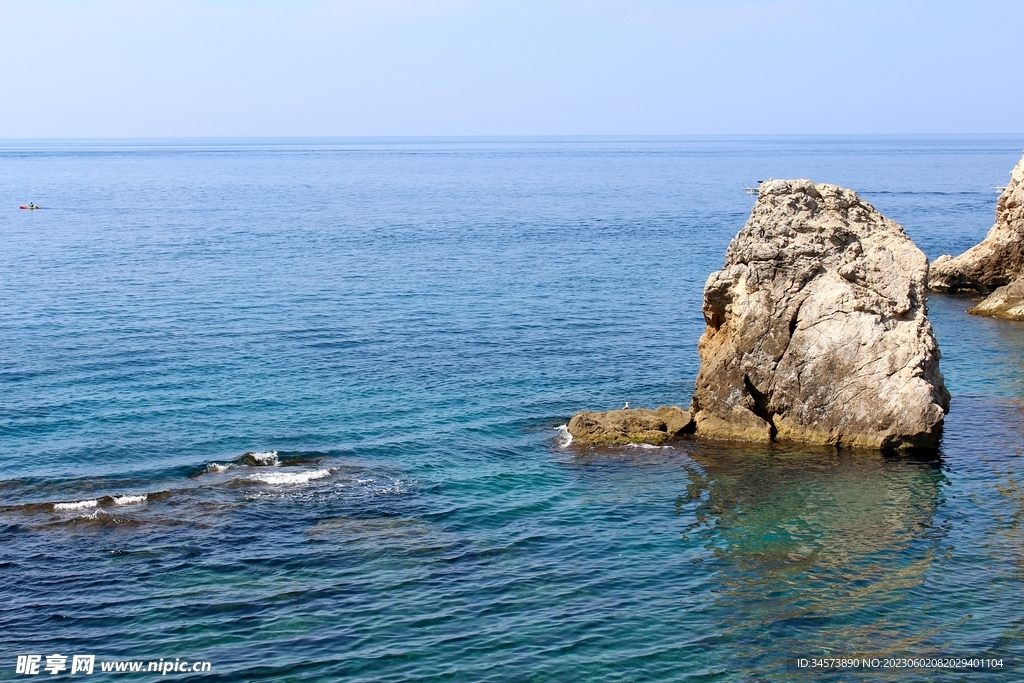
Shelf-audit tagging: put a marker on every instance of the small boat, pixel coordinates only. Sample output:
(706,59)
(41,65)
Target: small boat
(30,206)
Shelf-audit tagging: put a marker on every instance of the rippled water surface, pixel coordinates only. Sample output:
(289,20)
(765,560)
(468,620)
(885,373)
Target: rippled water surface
(292,407)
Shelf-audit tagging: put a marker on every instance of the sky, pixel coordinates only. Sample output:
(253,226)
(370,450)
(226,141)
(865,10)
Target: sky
(189,68)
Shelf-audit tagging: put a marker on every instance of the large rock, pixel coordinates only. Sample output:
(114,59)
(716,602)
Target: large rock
(817,330)
(1006,302)
(630,425)
(997,259)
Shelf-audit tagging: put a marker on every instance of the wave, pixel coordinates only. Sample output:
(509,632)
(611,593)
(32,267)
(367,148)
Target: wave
(78,505)
(105,501)
(217,482)
(130,500)
(564,438)
(277,478)
(247,459)
(260,459)
(97,519)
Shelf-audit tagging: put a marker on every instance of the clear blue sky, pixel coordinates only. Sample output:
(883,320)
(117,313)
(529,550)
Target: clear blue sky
(120,68)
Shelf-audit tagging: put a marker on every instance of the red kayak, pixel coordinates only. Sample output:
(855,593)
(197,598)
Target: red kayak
(30,206)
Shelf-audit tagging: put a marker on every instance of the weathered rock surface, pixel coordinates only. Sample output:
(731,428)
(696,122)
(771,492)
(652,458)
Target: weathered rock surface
(817,329)
(1006,302)
(997,259)
(630,425)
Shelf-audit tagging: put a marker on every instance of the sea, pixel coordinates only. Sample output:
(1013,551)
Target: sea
(296,408)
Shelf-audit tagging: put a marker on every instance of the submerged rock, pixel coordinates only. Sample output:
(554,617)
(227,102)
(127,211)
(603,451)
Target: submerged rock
(630,425)
(1006,302)
(997,259)
(817,329)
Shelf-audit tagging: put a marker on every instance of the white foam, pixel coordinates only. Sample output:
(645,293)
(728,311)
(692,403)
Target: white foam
(264,458)
(130,500)
(275,478)
(79,505)
(396,487)
(217,467)
(564,438)
(374,486)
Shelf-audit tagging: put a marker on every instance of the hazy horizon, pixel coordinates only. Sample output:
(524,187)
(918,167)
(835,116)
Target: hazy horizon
(609,137)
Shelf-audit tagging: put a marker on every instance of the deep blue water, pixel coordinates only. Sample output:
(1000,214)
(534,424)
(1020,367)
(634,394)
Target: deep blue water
(406,323)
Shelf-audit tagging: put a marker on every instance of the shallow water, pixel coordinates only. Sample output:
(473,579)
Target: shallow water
(406,323)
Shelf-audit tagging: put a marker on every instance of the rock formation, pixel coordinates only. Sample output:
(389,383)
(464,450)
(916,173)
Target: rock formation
(1006,302)
(997,259)
(817,329)
(630,425)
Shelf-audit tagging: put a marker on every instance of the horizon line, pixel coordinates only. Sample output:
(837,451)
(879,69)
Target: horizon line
(203,140)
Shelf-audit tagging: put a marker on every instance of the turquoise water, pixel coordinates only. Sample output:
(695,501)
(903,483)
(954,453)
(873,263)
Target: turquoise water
(406,323)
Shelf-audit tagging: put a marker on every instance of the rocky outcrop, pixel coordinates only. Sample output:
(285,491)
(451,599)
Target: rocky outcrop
(997,259)
(630,425)
(817,329)
(1006,302)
